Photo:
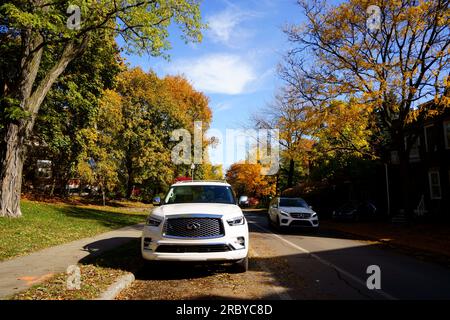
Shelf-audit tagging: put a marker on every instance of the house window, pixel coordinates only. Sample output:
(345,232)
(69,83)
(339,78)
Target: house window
(435,184)
(414,152)
(430,139)
(447,134)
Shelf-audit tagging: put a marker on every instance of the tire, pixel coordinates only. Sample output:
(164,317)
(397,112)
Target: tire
(279,228)
(241,266)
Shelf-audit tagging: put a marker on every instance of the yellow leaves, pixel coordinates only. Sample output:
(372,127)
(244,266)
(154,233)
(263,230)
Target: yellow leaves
(191,103)
(247,179)
(347,127)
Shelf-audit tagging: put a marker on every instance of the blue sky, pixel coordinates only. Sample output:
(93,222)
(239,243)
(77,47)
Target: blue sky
(235,65)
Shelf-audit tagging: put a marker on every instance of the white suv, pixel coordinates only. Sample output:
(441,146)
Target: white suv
(197,221)
(292,212)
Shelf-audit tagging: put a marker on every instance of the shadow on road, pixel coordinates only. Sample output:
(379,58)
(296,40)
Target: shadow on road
(261,219)
(300,274)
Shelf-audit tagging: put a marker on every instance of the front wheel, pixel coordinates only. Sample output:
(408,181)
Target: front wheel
(279,227)
(241,266)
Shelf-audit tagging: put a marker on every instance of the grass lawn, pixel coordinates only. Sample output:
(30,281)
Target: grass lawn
(44,225)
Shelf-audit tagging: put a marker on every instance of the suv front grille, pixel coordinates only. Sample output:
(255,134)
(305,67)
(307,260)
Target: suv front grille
(193,248)
(300,223)
(300,215)
(194,228)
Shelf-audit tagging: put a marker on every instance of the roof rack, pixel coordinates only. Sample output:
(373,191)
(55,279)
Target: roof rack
(190,181)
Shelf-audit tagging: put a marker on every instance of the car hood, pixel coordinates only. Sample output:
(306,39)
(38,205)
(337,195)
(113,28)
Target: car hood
(230,210)
(296,210)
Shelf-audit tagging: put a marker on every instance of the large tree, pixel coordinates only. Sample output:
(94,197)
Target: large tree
(297,122)
(130,137)
(101,153)
(68,108)
(38,28)
(343,52)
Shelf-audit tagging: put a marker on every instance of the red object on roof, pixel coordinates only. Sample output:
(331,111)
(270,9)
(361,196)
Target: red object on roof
(183,179)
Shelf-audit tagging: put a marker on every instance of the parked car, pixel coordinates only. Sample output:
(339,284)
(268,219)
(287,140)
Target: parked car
(355,211)
(244,201)
(292,212)
(197,221)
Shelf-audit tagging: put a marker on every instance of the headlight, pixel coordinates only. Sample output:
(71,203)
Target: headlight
(283,213)
(236,221)
(314,215)
(153,222)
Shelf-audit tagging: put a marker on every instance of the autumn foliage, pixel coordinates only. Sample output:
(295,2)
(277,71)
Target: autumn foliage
(246,179)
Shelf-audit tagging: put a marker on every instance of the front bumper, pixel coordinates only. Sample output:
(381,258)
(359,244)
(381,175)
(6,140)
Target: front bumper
(293,222)
(235,250)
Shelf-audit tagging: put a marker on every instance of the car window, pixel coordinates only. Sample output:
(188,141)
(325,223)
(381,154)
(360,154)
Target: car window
(293,202)
(200,194)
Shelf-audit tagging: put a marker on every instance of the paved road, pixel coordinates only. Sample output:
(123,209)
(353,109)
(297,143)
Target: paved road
(299,265)
(335,267)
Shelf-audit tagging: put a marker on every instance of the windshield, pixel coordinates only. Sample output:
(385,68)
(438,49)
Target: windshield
(200,194)
(297,202)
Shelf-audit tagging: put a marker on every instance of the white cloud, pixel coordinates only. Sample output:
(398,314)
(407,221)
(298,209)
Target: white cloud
(224,26)
(222,106)
(217,73)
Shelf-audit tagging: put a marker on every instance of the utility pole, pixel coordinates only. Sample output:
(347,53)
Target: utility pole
(387,190)
(192,171)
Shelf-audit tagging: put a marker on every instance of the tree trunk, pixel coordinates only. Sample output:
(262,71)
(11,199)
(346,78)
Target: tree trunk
(11,172)
(405,184)
(104,197)
(13,153)
(290,182)
(129,165)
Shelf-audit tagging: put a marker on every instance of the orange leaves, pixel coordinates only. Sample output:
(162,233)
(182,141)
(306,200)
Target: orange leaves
(190,102)
(247,179)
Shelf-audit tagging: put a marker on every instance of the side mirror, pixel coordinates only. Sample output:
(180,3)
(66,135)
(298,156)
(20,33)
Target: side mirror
(156,201)
(310,207)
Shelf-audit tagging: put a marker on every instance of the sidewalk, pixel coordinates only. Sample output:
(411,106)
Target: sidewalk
(21,273)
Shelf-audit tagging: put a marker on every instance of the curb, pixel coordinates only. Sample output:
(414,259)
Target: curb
(114,289)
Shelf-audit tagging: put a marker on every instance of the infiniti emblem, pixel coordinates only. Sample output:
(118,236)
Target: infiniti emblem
(193,226)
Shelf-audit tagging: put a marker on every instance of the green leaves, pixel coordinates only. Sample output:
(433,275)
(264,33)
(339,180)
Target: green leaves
(12,110)
(130,136)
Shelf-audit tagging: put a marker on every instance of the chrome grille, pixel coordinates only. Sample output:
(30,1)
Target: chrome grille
(300,215)
(194,228)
